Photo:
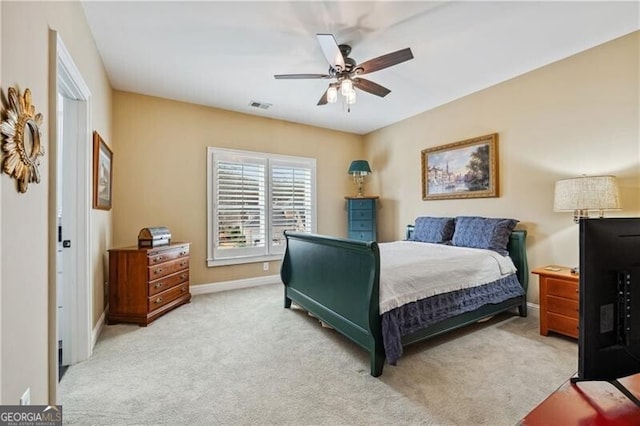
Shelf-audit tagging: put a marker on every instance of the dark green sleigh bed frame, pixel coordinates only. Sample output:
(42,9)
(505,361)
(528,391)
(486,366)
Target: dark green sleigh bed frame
(337,280)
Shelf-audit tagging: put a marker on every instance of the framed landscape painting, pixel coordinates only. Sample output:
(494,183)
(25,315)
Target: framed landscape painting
(465,169)
(102,170)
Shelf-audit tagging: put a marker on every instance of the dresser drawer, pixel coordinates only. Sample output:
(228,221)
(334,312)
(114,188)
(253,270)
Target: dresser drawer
(361,225)
(167,268)
(562,324)
(362,236)
(361,204)
(562,288)
(161,299)
(158,286)
(166,255)
(361,214)
(562,306)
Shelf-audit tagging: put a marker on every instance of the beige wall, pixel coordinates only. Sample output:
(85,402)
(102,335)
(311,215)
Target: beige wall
(160,169)
(24,227)
(577,116)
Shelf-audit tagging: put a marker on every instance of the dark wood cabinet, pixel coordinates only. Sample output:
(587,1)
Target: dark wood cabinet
(145,283)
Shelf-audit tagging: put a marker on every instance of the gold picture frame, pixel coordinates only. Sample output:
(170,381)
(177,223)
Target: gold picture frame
(465,169)
(102,173)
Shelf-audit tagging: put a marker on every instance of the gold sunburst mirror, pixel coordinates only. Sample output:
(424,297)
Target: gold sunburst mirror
(21,144)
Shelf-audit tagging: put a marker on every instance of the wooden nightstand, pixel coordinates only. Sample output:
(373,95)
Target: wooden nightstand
(558,300)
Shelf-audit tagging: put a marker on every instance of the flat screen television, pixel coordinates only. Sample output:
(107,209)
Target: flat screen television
(609,325)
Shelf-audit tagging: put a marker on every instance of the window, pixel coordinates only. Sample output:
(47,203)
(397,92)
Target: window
(252,199)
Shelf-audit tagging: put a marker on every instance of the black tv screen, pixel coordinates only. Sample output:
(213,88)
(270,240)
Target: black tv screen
(609,325)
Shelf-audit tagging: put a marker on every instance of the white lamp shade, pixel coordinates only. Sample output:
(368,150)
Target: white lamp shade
(351,98)
(332,94)
(586,193)
(346,87)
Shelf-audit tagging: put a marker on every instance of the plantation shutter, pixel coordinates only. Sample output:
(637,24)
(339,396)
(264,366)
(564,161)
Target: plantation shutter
(239,206)
(292,200)
(252,199)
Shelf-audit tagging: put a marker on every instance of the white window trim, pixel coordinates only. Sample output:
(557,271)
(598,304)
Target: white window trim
(211,226)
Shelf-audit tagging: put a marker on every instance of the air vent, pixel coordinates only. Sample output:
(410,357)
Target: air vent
(261,105)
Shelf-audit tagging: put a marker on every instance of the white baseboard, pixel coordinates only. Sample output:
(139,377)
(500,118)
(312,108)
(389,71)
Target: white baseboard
(95,333)
(534,307)
(199,289)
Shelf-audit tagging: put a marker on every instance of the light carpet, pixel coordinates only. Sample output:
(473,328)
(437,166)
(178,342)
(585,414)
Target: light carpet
(239,357)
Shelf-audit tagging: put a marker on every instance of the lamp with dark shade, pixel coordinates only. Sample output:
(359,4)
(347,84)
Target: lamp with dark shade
(359,169)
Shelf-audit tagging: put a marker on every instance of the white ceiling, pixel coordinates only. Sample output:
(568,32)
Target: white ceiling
(224,54)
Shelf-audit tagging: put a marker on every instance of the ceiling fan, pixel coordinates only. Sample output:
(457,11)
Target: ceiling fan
(346,71)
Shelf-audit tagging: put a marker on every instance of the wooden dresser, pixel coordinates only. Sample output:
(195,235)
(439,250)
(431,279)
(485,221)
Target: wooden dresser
(145,283)
(559,297)
(361,218)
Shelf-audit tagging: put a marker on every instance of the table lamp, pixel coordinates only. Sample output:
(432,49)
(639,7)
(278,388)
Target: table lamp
(359,169)
(584,194)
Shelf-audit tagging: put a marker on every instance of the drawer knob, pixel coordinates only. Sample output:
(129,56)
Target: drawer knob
(183,276)
(158,285)
(157,259)
(183,263)
(184,288)
(159,299)
(157,271)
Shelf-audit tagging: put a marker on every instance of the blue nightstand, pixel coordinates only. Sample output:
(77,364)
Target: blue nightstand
(361,223)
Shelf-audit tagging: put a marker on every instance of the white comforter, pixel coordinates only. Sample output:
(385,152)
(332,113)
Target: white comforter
(411,271)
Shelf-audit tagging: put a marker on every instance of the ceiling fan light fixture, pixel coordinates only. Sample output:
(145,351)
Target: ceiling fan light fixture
(346,71)
(346,87)
(351,97)
(332,94)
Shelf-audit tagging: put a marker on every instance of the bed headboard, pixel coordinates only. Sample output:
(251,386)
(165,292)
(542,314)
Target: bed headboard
(517,248)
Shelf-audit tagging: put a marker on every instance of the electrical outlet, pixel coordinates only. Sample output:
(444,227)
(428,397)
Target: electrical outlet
(265,266)
(25,399)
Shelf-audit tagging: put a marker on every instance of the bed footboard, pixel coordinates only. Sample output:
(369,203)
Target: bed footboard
(342,290)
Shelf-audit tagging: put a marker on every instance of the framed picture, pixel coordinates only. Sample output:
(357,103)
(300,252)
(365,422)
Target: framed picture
(465,169)
(102,173)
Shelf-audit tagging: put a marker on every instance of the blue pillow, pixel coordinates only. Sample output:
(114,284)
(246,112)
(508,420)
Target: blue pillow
(433,229)
(483,232)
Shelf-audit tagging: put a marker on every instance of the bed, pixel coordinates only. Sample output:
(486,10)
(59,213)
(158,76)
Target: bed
(338,281)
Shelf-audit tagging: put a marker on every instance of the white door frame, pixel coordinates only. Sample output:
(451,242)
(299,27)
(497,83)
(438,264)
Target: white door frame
(65,76)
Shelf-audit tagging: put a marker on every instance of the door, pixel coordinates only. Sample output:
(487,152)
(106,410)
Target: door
(66,207)
(70,285)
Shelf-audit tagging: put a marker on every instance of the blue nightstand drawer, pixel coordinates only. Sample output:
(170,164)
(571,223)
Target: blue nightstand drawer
(361,236)
(361,225)
(362,214)
(361,204)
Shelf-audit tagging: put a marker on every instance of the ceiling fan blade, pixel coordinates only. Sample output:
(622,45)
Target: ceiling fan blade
(323,99)
(300,76)
(331,51)
(385,61)
(371,87)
